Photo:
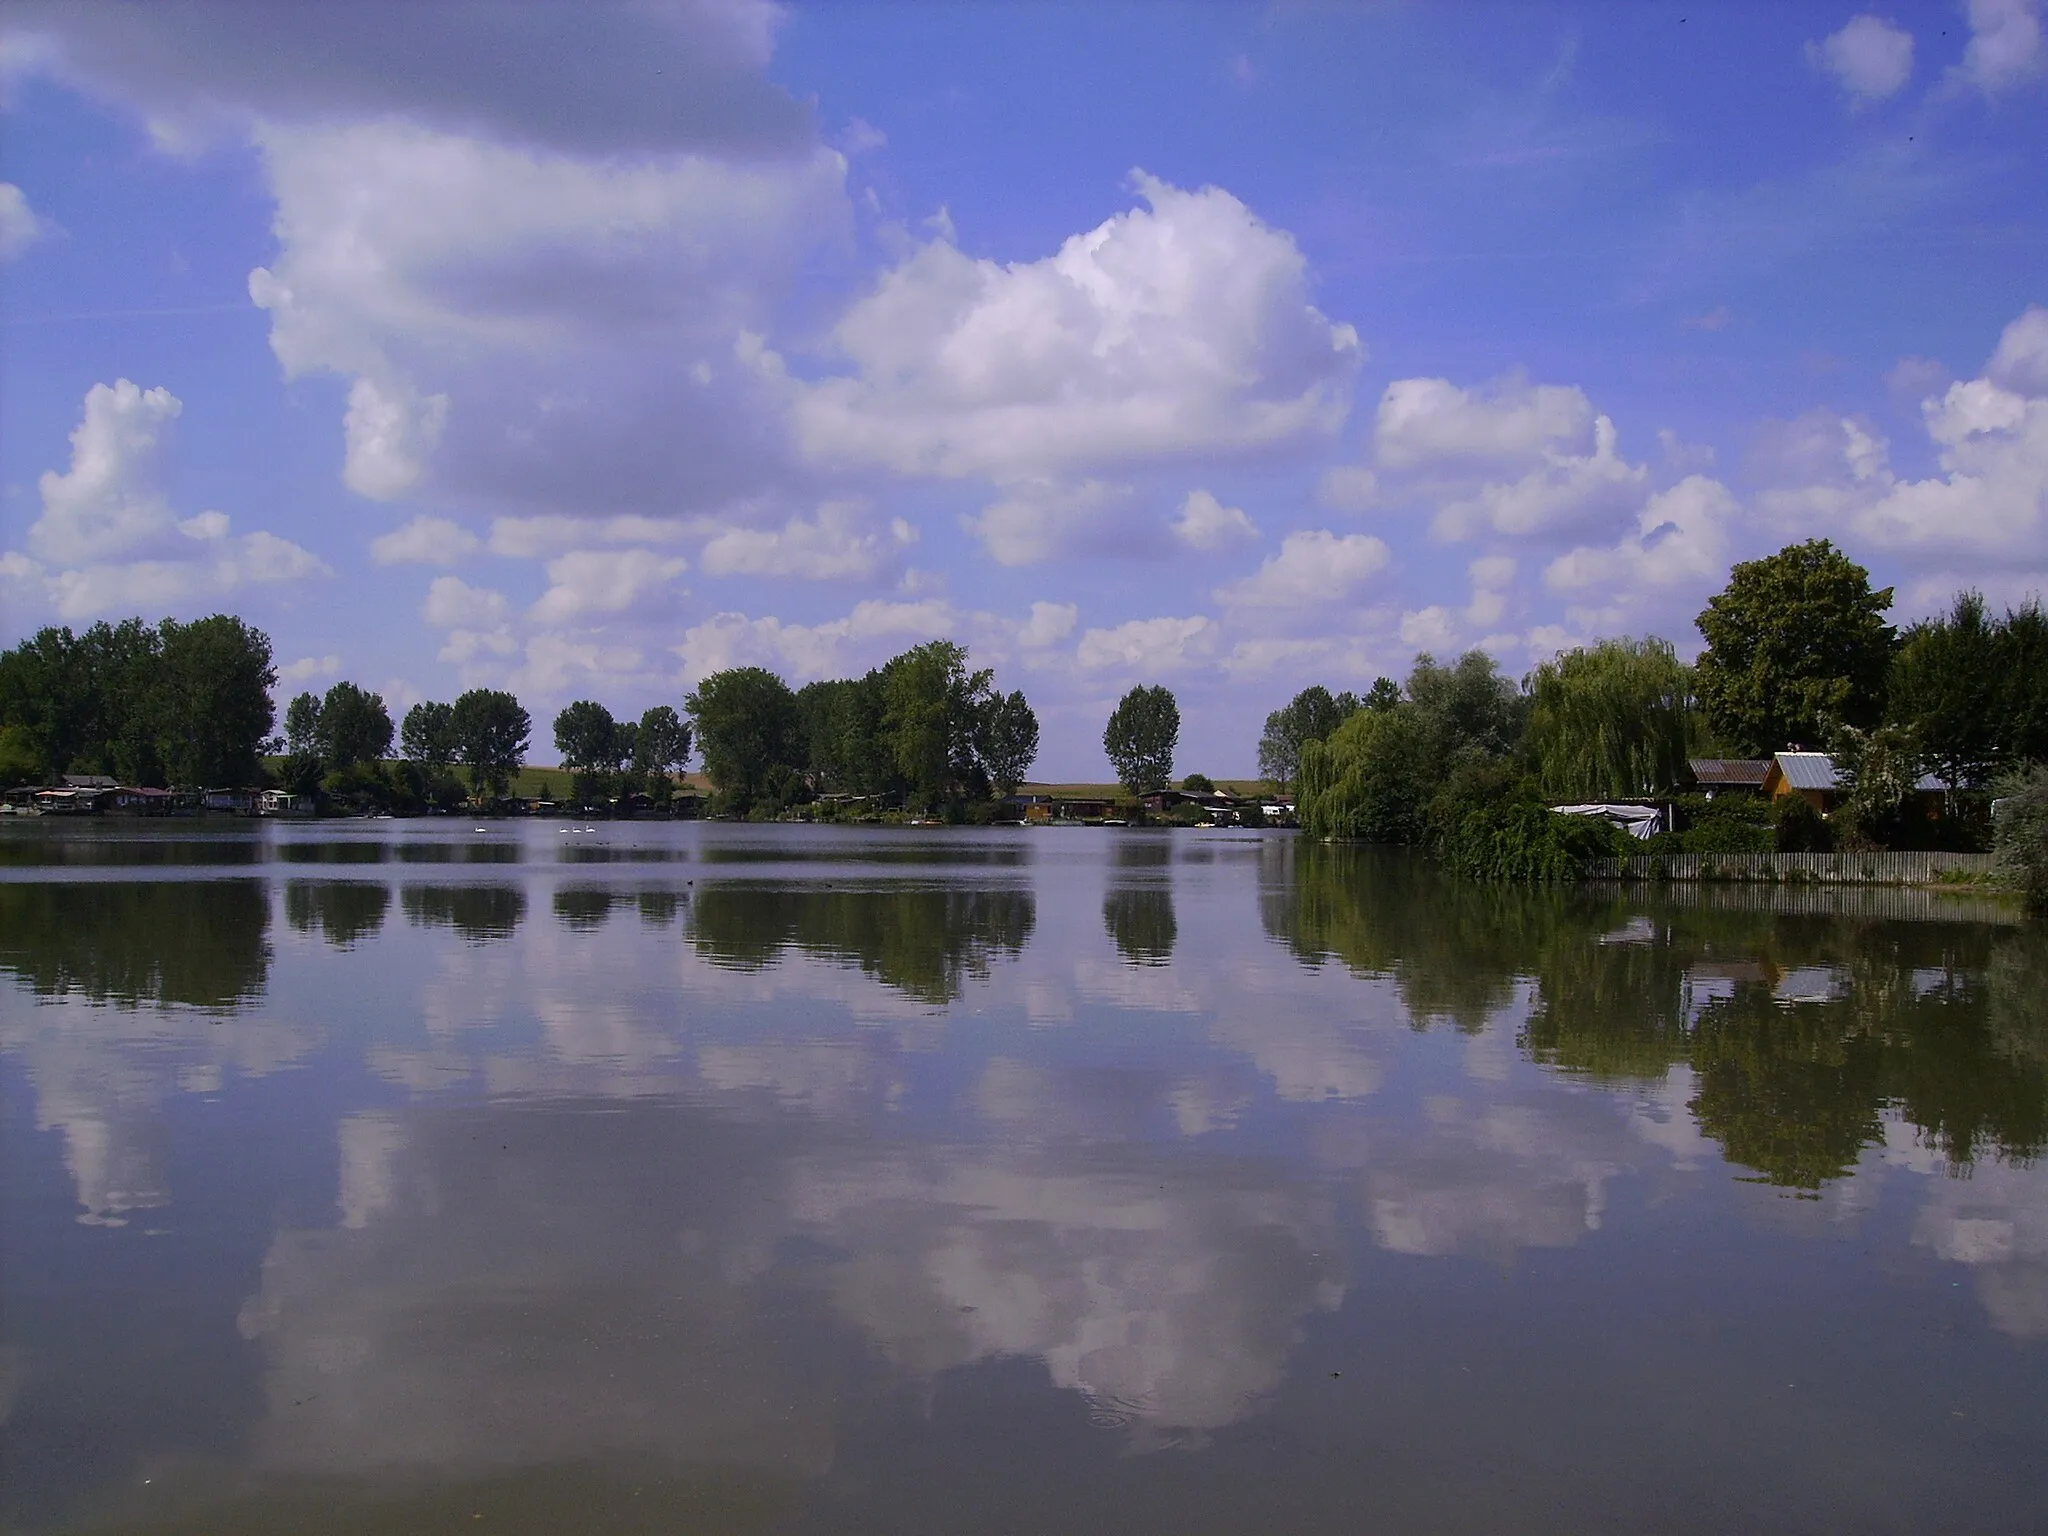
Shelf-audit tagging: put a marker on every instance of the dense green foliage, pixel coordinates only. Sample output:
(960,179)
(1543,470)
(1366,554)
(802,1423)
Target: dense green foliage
(923,731)
(1794,1089)
(1402,772)
(491,733)
(748,730)
(1140,738)
(1311,715)
(1521,840)
(1797,644)
(186,704)
(1009,740)
(1611,719)
(2022,834)
(427,735)
(1973,690)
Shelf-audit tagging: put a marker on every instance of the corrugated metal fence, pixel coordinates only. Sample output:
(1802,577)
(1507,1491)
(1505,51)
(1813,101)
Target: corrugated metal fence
(1793,868)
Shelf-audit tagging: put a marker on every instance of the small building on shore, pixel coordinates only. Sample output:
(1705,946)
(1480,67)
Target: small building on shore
(1814,778)
(1714,776)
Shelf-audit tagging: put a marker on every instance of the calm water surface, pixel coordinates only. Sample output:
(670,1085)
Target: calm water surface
(400,1177)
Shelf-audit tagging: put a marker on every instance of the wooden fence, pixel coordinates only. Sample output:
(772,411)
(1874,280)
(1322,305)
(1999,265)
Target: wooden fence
(1794,868)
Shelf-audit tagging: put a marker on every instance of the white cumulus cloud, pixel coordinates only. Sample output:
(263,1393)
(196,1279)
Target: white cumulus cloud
(1311,568)
(870,634)
(453,603)
(1049,624)
(1870,58)
(1429,423)
(108,539)
(2005,45)
(1987,508)
(1148,645)
(1680,536)
(839,544)
(425,541)
(1564,492)
(1205,523)
(585,583)
(1184,325)
(20,228)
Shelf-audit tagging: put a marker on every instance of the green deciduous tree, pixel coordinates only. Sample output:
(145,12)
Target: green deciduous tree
(428,734)
(302,725)
(931,718)
(1467,710)
(1141,736)
(353,727)
(184,702)
(1370,780)
(1796,643)
(491,733)
(1311,715)
(1008,740)
(746,725)
(661,746)
(1610,719)
(1973,689)
(212,700)
(587,737)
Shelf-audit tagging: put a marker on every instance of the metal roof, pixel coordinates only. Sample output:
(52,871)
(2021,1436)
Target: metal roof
(1808,770)
(1816,770)
(1728,770)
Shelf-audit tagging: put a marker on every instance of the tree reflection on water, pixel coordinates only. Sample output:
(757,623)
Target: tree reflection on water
(924,941)
(340,911)
(480,913)
(200,944)
(1800,1031)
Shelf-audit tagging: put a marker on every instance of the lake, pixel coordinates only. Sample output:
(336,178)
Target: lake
(679,1177)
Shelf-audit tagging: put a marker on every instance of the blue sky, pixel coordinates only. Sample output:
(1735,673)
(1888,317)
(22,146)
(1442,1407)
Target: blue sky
(1234,347)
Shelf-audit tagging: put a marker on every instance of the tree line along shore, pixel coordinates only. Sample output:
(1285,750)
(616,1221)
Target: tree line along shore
(1457,759)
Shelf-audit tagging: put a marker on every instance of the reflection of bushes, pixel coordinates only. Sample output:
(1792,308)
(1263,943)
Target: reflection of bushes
(1786,1091)
(583,907)
(1941,1023)
(480,913)
(340,911)
(659,908)
(924,941)
(200,943)
(1140,923)
(1454,948)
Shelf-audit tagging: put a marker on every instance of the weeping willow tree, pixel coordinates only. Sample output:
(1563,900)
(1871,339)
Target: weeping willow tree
(1611,719)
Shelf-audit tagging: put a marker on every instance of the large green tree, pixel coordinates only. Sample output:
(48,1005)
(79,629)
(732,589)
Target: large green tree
(212,701)
(841,723)
(354,727)
(1610,719)
(491,734)
(661,746)
(746,724)
(1371,780)
(931,716)
(427,735)
(1311,715)
(1468,710)
(588,739)
(1008,740)
(1140,738)
(1797,643)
